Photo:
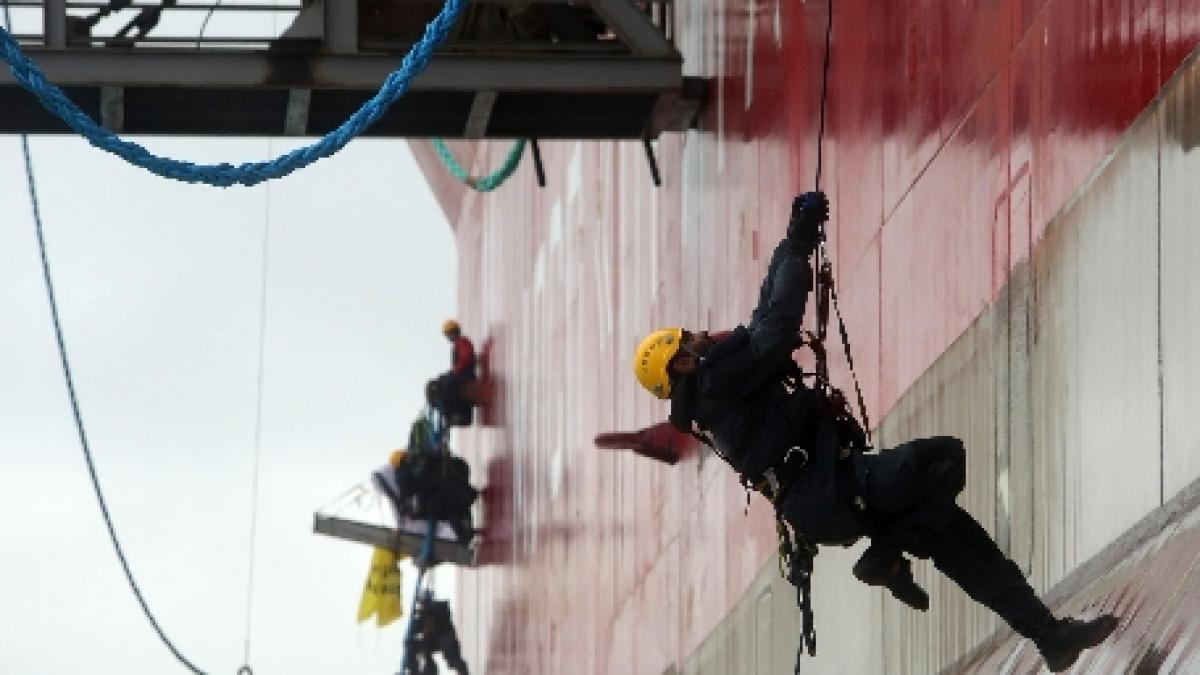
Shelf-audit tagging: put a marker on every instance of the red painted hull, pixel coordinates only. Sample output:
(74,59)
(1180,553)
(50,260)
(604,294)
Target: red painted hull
(956,131)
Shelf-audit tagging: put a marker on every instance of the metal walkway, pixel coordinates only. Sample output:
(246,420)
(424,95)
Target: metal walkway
(512,69)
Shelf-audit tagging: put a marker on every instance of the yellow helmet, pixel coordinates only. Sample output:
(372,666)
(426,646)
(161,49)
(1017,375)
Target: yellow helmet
(651,359)
(450,326)
(396,457)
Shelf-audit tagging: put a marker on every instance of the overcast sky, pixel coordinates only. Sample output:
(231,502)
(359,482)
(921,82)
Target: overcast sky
(159,285)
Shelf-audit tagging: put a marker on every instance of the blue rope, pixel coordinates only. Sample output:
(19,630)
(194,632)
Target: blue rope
(426,552)
(422,564)
(249,173)
(489,182)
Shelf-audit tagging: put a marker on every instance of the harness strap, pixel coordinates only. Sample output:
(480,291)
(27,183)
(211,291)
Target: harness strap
(795,554)
(796,566)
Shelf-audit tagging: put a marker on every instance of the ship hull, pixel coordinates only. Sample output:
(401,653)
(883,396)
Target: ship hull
(1010,188)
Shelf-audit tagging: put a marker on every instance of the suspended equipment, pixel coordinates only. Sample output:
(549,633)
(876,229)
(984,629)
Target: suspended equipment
(350,516)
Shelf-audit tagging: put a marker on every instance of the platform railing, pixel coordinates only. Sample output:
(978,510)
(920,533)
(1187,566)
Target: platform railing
(581,69)
(333,26)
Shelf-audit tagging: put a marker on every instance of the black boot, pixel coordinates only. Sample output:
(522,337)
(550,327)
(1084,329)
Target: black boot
(1062,640)
(894,575)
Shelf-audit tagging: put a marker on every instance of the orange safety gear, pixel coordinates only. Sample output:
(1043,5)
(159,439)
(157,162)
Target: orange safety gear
(396,457)
(651,359)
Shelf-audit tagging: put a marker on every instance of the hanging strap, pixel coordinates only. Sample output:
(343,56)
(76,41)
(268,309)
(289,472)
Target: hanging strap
(796,555)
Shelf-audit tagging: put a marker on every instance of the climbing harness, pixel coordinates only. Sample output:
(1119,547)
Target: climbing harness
(249,173)
(489,182)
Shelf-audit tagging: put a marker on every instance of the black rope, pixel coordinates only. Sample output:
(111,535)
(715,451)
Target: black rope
(87,453)
(824,92)
(823,268)
(539,169)
(654,173)
(66,367)
(862,404)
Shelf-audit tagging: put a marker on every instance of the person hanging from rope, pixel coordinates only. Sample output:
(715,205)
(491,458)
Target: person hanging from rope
(445,393)
(745,396)
(432,632)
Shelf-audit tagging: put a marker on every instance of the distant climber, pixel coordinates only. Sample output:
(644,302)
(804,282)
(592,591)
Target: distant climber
(432,632)
(431,485)
(445,393)
(808,456)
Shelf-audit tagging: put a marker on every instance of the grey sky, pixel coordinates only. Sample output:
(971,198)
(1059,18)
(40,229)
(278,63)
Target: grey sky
(159,287)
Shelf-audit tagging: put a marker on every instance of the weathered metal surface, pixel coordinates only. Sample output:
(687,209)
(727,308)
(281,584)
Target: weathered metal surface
(1180,258)
(1147,577)
(358,72)
(622,82)
(956,134)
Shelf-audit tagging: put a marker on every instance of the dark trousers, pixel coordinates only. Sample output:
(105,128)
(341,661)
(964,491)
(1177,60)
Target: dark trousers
(445,394)
(910,492)
(453,655)
(418,658)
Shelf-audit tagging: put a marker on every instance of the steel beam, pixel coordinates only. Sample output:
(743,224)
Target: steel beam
(481,112)
(608,73)
(633,27)
(295,120)
(54,24)
(112,108)
(341,26)
(678,110)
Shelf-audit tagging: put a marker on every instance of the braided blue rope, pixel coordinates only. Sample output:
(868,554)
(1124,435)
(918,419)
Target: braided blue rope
(489,182)
(422,563)
(249,173)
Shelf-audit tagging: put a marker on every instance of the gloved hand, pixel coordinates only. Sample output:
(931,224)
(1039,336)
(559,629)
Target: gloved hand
(809,211)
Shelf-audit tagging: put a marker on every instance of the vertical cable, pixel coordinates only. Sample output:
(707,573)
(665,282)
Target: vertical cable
(824,93)
(258,409)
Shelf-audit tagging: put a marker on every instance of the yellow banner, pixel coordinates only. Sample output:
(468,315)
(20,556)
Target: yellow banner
(381,595)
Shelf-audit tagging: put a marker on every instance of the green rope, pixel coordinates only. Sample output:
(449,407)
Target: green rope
(489,182)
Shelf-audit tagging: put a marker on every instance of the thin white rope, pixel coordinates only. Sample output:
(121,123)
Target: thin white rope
(258,409)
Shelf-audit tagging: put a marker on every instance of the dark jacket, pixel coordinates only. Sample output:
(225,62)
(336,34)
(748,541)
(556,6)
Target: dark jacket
(738,392)
(738,395)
